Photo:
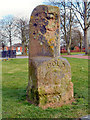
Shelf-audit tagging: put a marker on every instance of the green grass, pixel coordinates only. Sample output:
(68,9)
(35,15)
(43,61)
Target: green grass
(14,83)
(73,53)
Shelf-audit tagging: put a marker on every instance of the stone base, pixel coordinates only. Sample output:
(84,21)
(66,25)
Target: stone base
(49,82)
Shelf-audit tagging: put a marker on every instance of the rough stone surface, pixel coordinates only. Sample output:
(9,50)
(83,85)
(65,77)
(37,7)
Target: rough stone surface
(45,25)
(50,82)
(49,75)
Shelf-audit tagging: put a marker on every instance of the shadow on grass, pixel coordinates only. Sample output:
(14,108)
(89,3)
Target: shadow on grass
(15,94)
(18,95)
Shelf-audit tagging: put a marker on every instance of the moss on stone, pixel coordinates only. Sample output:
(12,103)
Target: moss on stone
(42,90)
(43,100)
(49,74)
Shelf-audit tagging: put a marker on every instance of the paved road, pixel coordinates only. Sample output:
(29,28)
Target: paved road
(21,56)
(72,56)
(16,57)
(77,56)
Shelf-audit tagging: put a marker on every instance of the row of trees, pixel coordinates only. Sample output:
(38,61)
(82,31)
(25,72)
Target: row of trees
(73,19)
(74,15)
(12,29)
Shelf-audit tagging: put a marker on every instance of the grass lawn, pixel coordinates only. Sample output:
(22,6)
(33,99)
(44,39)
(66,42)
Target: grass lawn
(73,53)
(14,83)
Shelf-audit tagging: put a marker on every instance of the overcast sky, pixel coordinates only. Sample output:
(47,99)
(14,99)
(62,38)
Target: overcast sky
(20,8)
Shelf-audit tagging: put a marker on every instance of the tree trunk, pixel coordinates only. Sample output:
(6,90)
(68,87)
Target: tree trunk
(68,47)
(80,44)
(23,41)
(85,28)
(23,51)
(3,46)
(23,46)
(65,35)
(10,45)
(26,50)
(80,41)
(86,41)
(70,22)
(68,50)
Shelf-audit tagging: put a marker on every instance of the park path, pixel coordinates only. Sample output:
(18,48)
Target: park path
(77,56)
(72,56)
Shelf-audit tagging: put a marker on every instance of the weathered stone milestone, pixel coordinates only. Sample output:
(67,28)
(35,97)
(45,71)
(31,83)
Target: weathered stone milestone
(44,34)
(49,82)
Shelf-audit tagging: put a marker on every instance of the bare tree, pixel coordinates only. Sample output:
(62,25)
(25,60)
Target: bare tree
(70,31)
(23,33)
(67,16)
(80,10)
(2,41)
(7,30)
(76,38)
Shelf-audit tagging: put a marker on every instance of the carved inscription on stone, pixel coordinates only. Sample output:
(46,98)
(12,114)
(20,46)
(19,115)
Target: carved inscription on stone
(49,82)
